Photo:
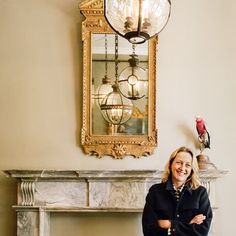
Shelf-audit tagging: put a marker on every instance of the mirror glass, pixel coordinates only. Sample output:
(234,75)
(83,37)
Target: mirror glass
(104,66)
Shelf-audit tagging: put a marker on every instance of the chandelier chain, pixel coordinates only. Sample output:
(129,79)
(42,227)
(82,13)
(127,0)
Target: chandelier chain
(105,55)
(116,57)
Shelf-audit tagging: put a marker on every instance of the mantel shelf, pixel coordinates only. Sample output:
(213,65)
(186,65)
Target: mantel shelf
(77,209)
(99,174)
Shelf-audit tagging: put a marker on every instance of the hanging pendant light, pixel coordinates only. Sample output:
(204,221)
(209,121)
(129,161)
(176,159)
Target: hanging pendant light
(133,80)
(115,108)
(137,20)
(104,89)
(106,86)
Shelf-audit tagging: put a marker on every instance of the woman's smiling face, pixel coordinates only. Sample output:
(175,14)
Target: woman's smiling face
(181,168)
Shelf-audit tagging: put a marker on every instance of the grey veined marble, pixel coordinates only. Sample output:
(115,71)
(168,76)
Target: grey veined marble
(27,223)
(61,193)
(121,194)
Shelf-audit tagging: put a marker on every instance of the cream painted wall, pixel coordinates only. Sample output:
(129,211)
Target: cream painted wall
(40,101)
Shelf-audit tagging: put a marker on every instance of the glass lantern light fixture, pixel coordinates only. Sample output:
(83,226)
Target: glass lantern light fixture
(115,108)
(137,20)
(104,89)
(133,80)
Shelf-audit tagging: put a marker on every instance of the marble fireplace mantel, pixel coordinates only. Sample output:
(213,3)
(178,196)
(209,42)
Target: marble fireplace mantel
(41,192)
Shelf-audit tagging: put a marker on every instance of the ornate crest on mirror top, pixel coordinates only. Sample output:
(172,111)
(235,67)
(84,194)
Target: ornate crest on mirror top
(115,145)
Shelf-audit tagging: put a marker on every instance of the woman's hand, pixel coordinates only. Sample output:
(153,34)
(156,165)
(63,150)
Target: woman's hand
(165,224)
(198,219)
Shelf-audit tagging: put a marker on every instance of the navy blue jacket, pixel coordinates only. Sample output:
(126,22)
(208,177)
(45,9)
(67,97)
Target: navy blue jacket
(161,204)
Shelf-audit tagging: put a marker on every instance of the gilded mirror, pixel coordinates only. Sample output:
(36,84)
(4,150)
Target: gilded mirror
(108,60)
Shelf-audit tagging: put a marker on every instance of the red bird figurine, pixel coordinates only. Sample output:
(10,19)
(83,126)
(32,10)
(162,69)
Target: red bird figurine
(203,135)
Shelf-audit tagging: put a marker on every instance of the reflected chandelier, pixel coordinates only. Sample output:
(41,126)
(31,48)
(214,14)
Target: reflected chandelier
(133,80)
(116,108)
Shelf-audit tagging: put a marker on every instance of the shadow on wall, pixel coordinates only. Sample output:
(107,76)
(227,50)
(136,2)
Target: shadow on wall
(189,135)
(8,198)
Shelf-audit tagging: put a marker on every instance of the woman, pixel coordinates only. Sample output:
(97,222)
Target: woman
(178,205)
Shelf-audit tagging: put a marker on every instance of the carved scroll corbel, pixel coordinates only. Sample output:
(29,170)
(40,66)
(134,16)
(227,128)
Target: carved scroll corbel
(27,188)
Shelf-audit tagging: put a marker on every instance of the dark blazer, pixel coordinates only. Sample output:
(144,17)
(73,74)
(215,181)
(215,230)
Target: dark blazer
(161,204)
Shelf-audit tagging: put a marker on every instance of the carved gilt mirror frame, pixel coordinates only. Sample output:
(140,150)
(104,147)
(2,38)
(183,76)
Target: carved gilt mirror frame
(115,145)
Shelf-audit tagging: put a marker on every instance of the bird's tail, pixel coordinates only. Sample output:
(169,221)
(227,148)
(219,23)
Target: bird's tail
(204,139)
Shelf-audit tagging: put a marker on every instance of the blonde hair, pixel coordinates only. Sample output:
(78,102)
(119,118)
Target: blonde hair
(193,179)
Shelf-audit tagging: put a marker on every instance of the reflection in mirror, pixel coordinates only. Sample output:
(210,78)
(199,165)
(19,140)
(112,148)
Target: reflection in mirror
(126,65)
